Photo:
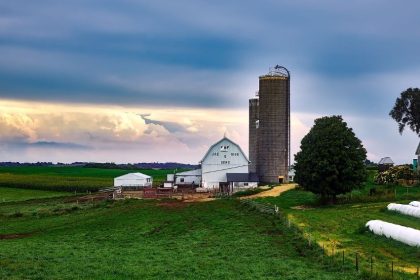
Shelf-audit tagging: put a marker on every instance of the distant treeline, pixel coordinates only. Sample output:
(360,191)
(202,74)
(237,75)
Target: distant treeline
(108,165)
(142,165)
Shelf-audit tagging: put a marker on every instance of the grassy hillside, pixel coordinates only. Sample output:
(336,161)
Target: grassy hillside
(135,239)
(68,178)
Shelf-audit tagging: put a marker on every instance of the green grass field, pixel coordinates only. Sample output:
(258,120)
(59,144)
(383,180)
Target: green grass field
(57,178)
(12,194)
(342,227)
(135,239)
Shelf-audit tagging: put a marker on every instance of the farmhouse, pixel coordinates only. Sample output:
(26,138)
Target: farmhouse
(133,180)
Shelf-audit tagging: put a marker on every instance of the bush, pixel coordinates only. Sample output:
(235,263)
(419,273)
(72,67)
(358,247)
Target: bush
(394,174)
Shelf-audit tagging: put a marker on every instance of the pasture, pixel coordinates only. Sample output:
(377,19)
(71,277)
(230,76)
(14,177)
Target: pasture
(341,228)
(68,178)
(138,239)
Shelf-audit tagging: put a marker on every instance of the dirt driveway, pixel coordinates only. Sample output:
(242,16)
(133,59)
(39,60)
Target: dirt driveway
(276,191)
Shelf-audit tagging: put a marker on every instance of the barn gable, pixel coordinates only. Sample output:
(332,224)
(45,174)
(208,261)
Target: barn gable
(225,156)
(223,143)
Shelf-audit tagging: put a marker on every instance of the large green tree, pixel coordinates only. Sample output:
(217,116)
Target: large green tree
(406,111)
(331,159)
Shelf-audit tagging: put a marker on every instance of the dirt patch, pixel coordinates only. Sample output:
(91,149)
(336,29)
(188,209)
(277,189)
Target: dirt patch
(14,235)
(276,191)
(199,199)
(172,204)
(302,207)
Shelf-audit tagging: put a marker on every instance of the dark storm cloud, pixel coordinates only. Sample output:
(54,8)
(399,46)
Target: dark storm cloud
(191,53)
(172,127)
(47,145)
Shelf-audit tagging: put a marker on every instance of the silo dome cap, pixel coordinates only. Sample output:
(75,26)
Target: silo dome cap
(279,71)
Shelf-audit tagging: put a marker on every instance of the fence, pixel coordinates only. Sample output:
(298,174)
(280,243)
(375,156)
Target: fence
(335,259)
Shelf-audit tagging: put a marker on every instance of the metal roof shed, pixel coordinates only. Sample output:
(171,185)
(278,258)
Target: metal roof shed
(133,180)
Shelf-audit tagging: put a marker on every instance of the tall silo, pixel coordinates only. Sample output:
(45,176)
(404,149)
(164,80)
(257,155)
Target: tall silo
(273,132)
(253,126)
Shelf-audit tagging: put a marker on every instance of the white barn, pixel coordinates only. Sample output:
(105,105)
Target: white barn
(225,156)
(133,180)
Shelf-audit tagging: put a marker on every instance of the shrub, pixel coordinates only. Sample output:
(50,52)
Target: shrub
(394,174)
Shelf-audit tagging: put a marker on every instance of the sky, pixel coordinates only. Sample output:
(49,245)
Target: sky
(156,81)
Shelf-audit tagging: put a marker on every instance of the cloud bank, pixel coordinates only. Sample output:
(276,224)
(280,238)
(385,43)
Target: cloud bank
(131,75)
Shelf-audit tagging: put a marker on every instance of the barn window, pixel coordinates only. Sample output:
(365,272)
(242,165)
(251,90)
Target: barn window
(181,180)
(245,184)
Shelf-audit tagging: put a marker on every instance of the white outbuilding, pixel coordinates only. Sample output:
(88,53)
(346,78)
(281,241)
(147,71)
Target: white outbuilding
(133,180)
(191,177)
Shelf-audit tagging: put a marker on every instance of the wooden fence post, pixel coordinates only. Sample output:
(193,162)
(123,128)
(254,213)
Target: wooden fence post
(371,265)
(392,270)
(343,259)
(357,262)
(417,273)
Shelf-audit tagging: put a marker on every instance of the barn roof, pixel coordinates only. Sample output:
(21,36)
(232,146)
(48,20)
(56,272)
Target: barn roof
(386,160)
(195,172)
(218,142)
(136,175)
(242,177)
(418,150)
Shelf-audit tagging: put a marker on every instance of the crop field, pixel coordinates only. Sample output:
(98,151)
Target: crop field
(66,178)
(341,228)
(137,239)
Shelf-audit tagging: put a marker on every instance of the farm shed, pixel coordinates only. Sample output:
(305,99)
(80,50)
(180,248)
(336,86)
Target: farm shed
(291,175)
(240,181)
(385,163)
(191,177)
(133,180)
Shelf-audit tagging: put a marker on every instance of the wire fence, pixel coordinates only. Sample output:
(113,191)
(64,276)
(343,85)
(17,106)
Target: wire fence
(335,259)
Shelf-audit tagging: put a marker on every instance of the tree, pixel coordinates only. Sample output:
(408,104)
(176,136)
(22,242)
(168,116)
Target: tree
(406,111)
(331,160)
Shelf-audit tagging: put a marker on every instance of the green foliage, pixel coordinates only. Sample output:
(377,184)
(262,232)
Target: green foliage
(406,111)
(396,173)
(331,160)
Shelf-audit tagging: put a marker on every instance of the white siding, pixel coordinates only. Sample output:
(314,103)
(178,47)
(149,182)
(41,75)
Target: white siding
(223,157)
(132,182)
(188,177)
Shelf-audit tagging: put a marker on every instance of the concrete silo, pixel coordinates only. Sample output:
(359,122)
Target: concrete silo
(269,127)
(253,126)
